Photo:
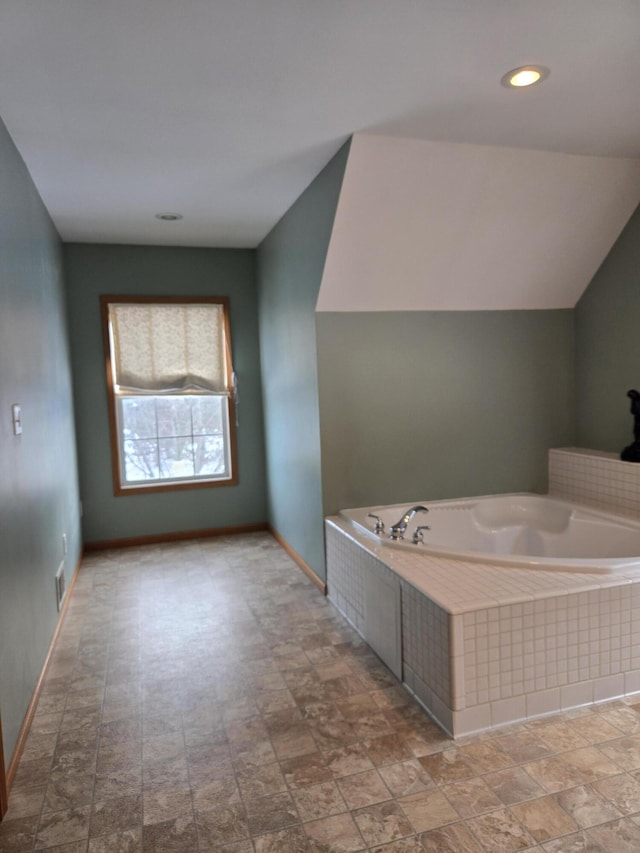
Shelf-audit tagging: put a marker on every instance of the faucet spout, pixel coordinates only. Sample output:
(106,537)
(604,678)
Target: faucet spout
(398,529)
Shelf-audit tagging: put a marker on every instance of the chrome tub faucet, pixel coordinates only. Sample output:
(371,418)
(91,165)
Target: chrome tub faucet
(397,530)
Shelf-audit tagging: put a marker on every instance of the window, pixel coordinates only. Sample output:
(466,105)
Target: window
(171,392)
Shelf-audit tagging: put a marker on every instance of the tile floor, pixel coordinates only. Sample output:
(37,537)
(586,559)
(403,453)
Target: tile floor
(206,697)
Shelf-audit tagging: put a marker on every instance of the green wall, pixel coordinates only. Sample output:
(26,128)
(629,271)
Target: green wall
(608,346)
(92,270)
(428,405)
(290,266)
(38,476)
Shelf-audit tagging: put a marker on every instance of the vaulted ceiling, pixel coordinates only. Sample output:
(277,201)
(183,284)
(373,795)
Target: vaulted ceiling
(440,226)
(224,111)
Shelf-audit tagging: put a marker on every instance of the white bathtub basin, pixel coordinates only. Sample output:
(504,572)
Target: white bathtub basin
(515,530)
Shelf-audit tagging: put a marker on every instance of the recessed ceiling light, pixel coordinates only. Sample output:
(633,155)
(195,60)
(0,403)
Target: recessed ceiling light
(168,217)
(527,75)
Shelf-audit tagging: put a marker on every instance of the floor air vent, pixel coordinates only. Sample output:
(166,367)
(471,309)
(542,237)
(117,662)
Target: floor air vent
(61,585)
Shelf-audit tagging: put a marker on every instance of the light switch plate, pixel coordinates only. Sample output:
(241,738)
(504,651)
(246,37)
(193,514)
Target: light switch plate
(16,414)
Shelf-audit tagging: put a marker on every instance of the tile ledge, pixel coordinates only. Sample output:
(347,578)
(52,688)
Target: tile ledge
(584,451)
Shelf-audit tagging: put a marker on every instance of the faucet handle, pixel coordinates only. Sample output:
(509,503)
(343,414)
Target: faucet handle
(418,535)
(379,525)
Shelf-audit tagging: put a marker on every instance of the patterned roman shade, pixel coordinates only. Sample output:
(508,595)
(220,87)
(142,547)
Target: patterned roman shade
(167,348)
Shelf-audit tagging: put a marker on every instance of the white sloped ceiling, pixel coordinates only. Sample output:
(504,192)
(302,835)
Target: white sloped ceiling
(446,227)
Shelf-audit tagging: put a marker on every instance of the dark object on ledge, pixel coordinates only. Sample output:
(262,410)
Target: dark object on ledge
(632,452)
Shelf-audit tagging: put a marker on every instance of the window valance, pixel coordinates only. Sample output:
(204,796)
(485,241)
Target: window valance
(164,348)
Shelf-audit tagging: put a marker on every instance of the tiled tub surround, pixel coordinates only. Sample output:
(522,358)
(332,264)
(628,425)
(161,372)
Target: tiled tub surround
(483,645)
(596,479)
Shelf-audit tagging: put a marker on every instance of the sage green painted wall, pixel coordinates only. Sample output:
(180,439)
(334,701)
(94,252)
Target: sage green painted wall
(428,405)
(38,475)
(290,266)
(608,346)
(92,270)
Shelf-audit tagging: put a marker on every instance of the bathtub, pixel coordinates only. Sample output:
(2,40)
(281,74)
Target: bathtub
(517,530)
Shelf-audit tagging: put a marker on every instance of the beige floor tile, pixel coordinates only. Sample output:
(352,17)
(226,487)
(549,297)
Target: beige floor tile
(347,760)
(625,719)
(286,746)
(268,814)
(544,819)
(269,681)
(391,697)
(45,723)
(26,802)
(387,749)
(256,754)
(623,791)
(213,793)
(428,810)
(402,845)
(579,842)
(338,834)
(513,785)
(591,762)
(423,743)
(595,728)
(332,734)
(168,725)
(116,815)
(166,804)
(119,757)
(317,801)
(40,745)
(622,836)
(81,718)
(488,756)
(274,700)
(291,840)
(261,781)
(560,736)
(523,746)
(448,766)
(305,770)
(125,841)
(500,832)
(382,824)
(32,773)
(168,747)
(371,726)
(170,836)
(407,777)
(66,790)
(553,774)
(625,752)
(159,775)
(17,834)
(471,797)
(63,827)
(455,838)
(363,789)
(587,806)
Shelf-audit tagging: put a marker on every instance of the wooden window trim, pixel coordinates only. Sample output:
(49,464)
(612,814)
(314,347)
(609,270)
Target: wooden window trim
(153,488)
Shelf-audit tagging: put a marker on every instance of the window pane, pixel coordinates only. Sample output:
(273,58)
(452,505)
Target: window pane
(173,438)
(207,415)
(174,416)
(141,460)
(139,417)
(176,457)
(209,455)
